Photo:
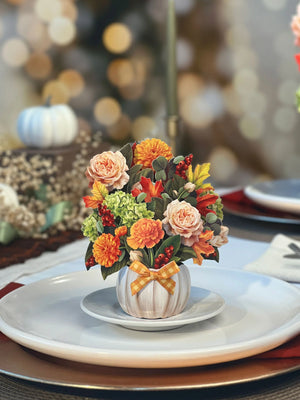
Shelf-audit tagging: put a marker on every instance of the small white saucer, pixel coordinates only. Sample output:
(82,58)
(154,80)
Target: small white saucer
(103,305)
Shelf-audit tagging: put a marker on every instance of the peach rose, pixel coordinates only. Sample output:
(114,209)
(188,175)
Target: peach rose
(295,25)
(108,168)
(183,219)
(219,240)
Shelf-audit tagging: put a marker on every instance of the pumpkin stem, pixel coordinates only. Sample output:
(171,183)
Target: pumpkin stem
(48,101)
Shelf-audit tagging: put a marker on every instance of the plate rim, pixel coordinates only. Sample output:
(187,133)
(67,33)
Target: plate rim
(275,201)
(109,358)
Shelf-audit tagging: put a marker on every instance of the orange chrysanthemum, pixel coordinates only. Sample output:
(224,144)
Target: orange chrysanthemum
(121,231)
(148,150)
(145,233)
(203,246)
(106,249)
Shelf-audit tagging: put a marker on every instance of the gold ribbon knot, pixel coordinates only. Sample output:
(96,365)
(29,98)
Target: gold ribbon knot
(162,276)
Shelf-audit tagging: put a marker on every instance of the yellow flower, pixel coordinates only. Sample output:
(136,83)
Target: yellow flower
(199,175)
(148,150)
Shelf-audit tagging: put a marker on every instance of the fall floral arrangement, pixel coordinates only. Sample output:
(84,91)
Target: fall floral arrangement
(152,207)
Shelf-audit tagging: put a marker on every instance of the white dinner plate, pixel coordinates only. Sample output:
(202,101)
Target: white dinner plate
(103,304)
(282,194)
(260,313)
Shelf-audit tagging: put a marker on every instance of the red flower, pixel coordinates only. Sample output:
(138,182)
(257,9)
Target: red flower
(204,201)
(151,189)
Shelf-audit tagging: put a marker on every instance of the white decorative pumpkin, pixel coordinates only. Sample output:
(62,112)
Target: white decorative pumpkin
(153,301)
(9,195)
(47,126)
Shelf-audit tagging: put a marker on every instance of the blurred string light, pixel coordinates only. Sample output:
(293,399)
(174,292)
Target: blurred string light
(244,100)
(39,65)
(121,130)
(117,38)
(223,163)
(57,91)
(48,10)
(107,111)
(15,52)
(73,80)
(62,30)
(143,127)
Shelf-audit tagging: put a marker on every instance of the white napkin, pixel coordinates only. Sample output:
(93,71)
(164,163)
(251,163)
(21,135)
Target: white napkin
(273,262)
(46,260)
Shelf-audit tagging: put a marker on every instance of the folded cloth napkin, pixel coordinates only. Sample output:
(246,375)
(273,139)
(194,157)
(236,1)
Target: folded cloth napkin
(281,260)
(290,349)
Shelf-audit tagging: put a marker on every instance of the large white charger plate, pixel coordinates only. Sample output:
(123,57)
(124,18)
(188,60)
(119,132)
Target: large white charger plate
(282,194)
(260,313)
(103,304)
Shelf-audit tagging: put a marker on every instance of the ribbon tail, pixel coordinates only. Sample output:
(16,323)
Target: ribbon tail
(168,284)
(139,284)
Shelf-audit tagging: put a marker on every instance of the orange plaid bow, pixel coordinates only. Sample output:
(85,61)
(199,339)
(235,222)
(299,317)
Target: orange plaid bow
(162,276)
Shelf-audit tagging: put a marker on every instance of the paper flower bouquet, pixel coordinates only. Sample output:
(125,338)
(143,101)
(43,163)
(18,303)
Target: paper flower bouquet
(151,212)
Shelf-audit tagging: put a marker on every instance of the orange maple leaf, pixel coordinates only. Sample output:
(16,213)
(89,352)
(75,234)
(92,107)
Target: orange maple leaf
(99,192)
(148,187)
(203,247)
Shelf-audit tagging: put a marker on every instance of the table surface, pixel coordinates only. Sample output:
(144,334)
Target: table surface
(285,386)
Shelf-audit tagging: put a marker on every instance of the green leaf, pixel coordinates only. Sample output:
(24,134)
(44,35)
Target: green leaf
(89,251)
(174,241)
(160,175)
(100,227)
(186,253)
(115,268)
(192,200)
(127,153)
(148,173)
(160,207)
(141,197)
(160,163)
(178,159)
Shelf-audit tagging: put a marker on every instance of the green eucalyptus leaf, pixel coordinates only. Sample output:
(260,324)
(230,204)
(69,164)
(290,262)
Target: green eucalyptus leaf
(127,153)
(148,173)
(160,175)
(141,197)
(178,159)
(211,218)
(159,163)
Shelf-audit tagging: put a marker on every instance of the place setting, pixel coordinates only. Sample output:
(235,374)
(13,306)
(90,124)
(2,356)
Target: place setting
(269,201)
(147,301)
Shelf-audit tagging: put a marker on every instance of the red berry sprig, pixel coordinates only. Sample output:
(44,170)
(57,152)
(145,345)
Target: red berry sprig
(106,216)
(90,262)
(183,165)
(163,258)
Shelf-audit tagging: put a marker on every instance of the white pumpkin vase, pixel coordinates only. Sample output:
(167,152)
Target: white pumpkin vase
(47,126)
(153,301)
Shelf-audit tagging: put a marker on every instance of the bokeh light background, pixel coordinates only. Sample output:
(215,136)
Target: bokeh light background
(106,58)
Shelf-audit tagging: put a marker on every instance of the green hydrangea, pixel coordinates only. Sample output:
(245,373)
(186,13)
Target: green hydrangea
(124,206)
(89,227)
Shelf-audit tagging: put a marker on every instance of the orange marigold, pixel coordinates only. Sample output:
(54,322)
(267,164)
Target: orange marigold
(148,150)
(121,231)
(145,233)
(106,249)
